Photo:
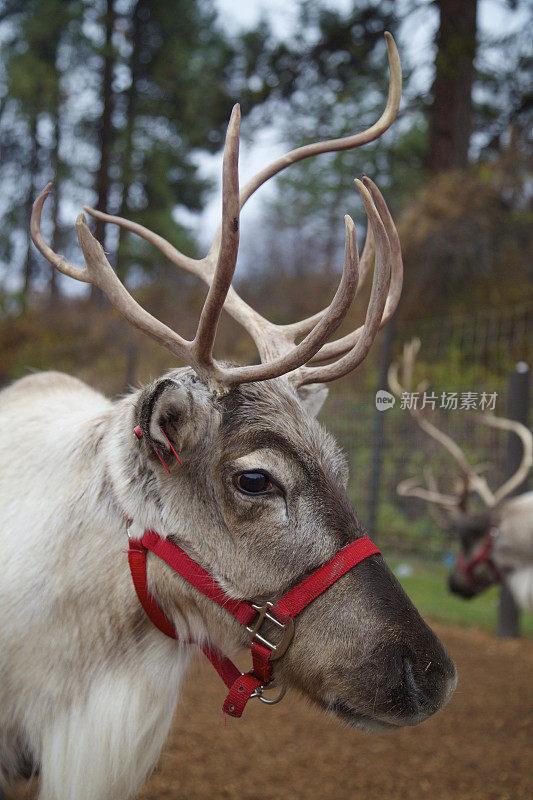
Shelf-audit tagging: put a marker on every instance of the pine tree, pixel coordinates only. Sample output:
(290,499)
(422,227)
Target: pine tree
(117,96)
(175,102)
(31,119)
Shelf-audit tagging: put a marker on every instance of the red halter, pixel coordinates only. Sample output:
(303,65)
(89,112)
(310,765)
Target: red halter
(484,556)
(252,616)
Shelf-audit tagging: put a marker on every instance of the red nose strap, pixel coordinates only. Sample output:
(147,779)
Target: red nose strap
(322,578)
(251,615)
(468,567)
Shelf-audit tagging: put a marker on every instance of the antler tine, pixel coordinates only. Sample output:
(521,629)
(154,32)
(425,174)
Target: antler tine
(287,355)
(436,500)
(476,483)
(269,337)
(276,343)
(327,324)
(57,261)
(378,296)
(228,248)
(250,319)
(99,272)
(434,509)
(526,463)
(296,329)
(343,345)
(346,143)
(410,352)
(410,488)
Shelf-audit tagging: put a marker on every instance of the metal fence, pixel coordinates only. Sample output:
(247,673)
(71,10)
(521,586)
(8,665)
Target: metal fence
(473,356)
(494,339)
(405,524)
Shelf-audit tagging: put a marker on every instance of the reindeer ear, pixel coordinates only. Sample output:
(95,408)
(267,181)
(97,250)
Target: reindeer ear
(313,397)
(180,408)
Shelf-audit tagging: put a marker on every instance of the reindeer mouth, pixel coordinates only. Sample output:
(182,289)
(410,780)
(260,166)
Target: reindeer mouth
(356,719)
(415,704)
(370,724)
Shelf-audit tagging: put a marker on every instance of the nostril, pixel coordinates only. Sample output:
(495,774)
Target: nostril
(417,696)
(430,684)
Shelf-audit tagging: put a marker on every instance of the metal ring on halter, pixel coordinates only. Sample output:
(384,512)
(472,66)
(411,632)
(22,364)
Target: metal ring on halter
(137,531)
(259,693)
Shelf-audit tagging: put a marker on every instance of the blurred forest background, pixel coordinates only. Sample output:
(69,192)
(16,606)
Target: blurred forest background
(121,102)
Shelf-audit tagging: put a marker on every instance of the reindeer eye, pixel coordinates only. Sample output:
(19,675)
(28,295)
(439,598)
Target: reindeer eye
(255,483)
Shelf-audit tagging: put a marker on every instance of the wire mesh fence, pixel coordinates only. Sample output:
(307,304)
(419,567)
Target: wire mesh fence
(405,524)
(494,339)
(469,358)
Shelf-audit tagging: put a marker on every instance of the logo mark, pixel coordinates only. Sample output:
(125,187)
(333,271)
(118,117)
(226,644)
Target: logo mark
(384,400)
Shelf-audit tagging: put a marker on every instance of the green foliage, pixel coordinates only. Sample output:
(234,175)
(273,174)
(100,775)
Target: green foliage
(32,75)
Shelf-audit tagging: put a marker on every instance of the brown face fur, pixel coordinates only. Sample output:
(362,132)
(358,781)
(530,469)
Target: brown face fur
(361,649)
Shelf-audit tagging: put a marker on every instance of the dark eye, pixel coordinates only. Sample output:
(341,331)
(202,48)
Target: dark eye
(254,483)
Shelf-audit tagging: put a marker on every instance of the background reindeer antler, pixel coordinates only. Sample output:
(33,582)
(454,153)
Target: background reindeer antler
(400,379)
(279,352)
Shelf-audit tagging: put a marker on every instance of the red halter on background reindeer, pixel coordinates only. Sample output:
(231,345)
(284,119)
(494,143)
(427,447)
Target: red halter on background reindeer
(486,536)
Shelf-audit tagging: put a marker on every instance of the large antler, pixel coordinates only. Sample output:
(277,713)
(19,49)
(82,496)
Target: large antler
(276,343)
(471,481)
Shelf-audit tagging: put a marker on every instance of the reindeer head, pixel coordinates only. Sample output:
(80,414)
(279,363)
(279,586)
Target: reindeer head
(474,569)
(260,500)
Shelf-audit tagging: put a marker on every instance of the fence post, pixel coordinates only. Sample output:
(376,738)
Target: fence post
(518,407)
(378,439)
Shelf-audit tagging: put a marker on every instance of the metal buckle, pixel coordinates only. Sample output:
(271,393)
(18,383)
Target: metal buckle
(277,650)
(269,701)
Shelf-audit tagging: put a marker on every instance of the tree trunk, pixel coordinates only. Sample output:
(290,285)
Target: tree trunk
(30,197)
(130,110)
(105,133)
(53,288)
(450,122)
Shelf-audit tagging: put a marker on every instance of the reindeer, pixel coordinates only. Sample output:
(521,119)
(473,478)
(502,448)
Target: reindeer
(230,501)
(496,541)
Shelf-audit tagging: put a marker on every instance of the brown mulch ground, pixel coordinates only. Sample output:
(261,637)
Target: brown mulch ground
(478,748)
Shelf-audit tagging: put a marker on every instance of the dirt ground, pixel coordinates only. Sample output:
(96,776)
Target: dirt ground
(478,748)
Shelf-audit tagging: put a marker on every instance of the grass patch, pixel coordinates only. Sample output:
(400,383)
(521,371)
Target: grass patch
(427,588)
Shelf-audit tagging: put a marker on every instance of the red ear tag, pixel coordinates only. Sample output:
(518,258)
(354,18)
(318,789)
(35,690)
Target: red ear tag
(162,460)
(170,445)
(139,434)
